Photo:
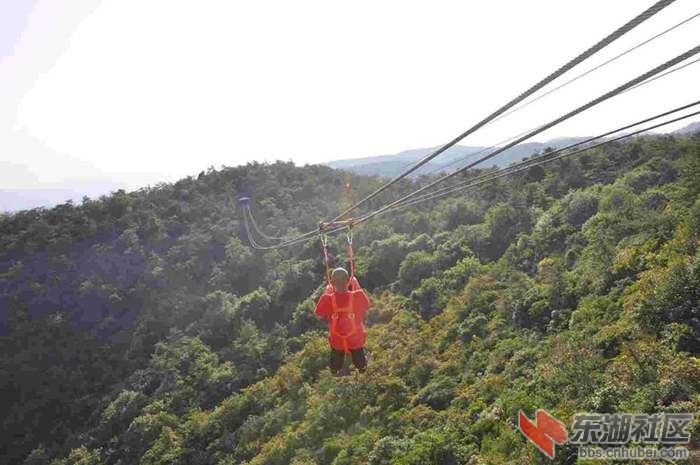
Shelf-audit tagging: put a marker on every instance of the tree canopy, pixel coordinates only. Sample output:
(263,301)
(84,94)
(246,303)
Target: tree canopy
(142,328)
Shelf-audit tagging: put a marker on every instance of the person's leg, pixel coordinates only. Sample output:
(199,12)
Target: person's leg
(359,359)
(336,361)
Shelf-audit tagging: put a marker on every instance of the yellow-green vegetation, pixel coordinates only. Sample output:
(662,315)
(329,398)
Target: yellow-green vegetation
(573,288)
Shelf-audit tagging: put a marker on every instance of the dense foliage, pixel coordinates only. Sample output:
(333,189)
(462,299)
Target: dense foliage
(141,328)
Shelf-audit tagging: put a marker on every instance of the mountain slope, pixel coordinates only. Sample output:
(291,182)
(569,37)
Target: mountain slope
(570,288)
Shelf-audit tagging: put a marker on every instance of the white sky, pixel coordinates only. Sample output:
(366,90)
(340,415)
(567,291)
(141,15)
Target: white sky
(144,91)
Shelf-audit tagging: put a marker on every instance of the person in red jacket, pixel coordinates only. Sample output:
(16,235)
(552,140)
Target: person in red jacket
(345,312)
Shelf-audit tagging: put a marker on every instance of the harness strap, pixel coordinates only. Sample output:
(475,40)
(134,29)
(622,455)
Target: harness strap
(335,317)
(351,257)
(324,243)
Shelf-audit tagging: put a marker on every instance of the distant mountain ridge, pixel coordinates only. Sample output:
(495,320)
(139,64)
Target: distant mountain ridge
(451,159)
(456,157)
(689,129)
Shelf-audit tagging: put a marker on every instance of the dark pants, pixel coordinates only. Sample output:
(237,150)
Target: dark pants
(338,357)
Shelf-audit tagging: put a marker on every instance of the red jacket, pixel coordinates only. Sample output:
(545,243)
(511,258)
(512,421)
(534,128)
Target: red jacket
(342,329)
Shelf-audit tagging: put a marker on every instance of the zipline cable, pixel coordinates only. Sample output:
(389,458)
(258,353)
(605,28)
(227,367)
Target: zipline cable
(244,203)
(311,235)
(636,21)
(257,228)
(249,213)
(680,58)
(665,74)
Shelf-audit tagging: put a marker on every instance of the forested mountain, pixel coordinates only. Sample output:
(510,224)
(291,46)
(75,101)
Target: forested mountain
(140,328)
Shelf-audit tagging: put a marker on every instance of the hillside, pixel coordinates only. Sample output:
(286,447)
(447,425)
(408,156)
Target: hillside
(141,328)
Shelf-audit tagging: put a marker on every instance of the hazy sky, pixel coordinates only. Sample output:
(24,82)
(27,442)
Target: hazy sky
(141,91)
